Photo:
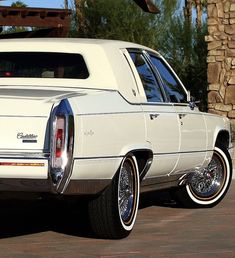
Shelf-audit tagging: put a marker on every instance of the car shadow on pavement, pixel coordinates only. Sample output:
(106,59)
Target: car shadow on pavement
(160,198)
(21,217)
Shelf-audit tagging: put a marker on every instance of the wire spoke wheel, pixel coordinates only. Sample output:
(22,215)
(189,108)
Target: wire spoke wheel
(208,183)
(207,186)
(127,188)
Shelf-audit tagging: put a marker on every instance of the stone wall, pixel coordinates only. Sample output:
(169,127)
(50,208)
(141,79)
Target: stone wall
(221,57)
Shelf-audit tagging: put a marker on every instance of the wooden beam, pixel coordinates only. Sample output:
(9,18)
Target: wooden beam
(34,17)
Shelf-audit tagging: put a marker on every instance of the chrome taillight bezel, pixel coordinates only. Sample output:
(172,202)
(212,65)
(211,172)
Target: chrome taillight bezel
(60,171)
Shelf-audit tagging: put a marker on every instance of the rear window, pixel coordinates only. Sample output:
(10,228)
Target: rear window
(43,65)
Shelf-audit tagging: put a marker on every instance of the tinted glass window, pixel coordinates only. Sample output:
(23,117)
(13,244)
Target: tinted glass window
(150,84)
(171,85)
(42,65)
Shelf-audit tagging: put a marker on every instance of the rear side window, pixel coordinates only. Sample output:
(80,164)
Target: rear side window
(151,86)
(42,65)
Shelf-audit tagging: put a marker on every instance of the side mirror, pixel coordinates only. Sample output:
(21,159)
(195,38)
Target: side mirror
(193,103)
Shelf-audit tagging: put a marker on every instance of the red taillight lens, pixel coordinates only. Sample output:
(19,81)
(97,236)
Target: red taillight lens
(59,143)
(59,140)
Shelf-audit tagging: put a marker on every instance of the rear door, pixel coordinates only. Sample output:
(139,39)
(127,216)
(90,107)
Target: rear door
(193,137)
(162,124)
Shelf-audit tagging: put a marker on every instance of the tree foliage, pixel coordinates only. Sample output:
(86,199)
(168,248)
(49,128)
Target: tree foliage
(121,19)
(18,4)
(186,50)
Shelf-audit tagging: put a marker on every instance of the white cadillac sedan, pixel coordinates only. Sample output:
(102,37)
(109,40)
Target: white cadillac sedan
(105,120)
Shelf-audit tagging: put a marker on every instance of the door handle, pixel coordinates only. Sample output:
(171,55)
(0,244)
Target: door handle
(182,115)
(153,116)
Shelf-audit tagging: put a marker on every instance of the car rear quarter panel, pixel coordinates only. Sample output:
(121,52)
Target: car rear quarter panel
(107,127)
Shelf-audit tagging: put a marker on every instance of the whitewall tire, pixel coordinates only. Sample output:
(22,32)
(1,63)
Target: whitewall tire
(208,187)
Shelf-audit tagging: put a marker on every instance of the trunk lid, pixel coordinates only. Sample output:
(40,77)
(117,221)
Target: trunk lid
(24,118)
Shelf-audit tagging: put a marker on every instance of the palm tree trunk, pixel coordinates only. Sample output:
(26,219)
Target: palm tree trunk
(188,12)
(198,4)
(79,14)
(66,4)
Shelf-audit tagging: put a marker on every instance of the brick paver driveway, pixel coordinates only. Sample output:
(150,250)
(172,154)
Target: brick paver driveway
(55,229)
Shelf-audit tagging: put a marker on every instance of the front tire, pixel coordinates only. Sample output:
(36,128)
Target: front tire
(113,213)
(208,187)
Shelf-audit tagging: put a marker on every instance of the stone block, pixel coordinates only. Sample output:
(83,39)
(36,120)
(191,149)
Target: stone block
(231,44)
(222,91)
(230,52)
(222,75)
(230,29)
(227,7)
(232,14)
(211,106)
(230,95)
(210,8)
(212,21)
(213,72)
(225,21)
(214,45)
(219,58)
(231,114)
(232,7)
(220,11)
(209,38)
(212,29)
(228,63)
(216,53)
(232,21)
(214,97)
(221,28)
(214,87)
(231,81)
(211,59)
(222,107)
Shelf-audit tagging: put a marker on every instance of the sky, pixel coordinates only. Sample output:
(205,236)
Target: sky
(37,3)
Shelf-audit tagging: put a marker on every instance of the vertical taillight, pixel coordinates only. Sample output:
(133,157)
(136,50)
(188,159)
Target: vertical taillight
(61,141)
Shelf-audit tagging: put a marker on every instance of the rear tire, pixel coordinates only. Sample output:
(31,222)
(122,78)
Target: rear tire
(209,186)
(113,213)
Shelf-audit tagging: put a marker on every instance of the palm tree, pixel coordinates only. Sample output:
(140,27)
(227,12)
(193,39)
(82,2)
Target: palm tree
(199,5)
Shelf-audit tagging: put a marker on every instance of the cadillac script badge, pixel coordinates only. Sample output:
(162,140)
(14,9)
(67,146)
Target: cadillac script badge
(27,138)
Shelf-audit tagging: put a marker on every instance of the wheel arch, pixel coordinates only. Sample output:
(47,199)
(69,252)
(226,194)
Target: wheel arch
(222,139)
(144,159)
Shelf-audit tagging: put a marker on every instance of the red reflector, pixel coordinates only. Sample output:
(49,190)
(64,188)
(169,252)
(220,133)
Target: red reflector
(8,74)
(22,164)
